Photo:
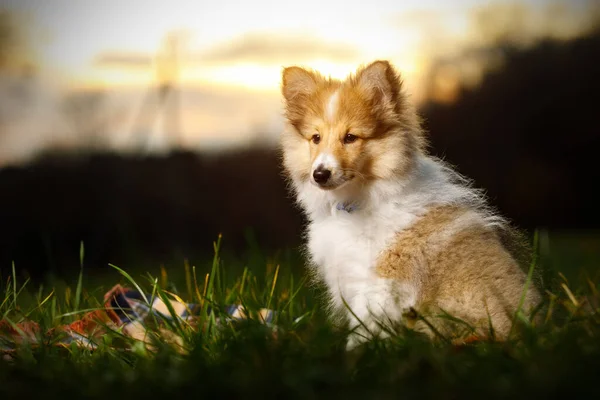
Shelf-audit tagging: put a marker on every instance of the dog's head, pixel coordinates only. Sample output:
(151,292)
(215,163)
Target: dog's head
(340,132)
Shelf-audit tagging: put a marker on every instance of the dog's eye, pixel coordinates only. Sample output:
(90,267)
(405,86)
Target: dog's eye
(349,138)
(316,138)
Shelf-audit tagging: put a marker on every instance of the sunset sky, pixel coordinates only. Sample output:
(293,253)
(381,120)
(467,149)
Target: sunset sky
(244,43)
(231,52)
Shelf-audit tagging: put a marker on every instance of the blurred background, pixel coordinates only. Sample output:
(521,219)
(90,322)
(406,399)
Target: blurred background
(146,128)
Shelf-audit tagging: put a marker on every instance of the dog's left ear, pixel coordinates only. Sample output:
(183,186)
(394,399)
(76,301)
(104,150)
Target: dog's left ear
(380,83)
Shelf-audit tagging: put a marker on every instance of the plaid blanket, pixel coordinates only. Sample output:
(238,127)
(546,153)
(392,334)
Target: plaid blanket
(126,311)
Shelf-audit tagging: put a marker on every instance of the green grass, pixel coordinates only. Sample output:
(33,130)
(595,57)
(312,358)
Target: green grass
(304,356)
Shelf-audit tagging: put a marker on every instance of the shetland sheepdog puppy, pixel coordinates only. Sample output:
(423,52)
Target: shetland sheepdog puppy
(397,237)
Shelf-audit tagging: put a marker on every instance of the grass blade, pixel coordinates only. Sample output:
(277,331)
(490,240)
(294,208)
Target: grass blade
(527,281)
(133,282)
(80,280)
(273,287)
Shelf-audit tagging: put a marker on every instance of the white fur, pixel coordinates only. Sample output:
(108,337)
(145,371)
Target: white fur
(344,247)
(325,160)
(332,106)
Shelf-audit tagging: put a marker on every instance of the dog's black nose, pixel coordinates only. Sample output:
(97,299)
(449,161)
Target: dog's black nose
(321,175)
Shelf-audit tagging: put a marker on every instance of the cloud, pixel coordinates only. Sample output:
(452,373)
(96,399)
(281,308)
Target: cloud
(254,48)
(416,18)
(123,59)
(276,49)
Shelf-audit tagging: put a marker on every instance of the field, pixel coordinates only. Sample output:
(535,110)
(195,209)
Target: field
(299,354)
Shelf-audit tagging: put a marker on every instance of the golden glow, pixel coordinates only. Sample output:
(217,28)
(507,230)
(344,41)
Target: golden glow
(248,76)
(108,78)
(76,34)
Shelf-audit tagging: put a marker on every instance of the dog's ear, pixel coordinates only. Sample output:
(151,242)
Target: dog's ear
(297,82)
(380,83)
(297,86)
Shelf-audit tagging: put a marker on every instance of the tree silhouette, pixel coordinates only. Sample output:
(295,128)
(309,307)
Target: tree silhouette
(528,132)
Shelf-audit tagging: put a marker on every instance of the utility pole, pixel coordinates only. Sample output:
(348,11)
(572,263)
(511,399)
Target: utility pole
(164,97)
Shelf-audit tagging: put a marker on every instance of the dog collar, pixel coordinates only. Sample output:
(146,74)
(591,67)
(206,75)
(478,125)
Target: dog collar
(346,206)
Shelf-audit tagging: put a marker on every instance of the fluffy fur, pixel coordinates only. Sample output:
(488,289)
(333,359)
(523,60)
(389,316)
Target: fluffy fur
(417,237)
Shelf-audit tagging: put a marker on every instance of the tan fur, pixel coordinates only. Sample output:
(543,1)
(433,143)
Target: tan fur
(462,269)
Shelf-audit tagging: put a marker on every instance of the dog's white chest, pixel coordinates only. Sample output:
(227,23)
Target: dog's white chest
(345,248)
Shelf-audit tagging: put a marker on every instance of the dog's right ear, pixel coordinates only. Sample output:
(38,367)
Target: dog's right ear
(297,81)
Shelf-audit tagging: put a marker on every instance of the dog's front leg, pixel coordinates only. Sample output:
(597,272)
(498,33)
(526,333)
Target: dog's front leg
(377,307)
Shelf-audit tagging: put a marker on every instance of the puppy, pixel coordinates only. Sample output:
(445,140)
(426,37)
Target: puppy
(397,236)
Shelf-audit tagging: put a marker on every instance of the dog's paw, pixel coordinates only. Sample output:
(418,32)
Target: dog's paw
(354,341)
